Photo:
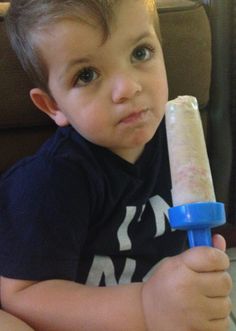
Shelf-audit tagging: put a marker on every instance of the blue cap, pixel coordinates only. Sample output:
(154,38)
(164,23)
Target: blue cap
(197,218)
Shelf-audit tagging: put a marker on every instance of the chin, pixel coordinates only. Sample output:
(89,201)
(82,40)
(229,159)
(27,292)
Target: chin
(142,138)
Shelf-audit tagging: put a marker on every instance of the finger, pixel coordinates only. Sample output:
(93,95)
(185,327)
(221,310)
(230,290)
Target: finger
(218,324)
(213,315)
(215,284)
(219,242)
(205,259)
(219,308)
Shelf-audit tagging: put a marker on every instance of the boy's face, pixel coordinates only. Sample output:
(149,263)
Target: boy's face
(113,92)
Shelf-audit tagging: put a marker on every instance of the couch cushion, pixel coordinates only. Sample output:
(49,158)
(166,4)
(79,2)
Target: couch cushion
(187,48)
(16,108)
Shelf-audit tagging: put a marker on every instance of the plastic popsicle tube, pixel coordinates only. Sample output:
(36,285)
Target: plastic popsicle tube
(194,206)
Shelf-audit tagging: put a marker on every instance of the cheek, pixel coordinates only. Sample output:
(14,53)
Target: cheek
(157,80)
(161,79)
(162,89)
(90,123)
(160,92)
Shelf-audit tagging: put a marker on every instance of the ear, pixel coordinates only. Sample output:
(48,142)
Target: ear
(46,104)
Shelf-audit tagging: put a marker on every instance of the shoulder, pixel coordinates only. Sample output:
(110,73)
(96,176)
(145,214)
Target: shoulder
(63,168)
(54,161)
(60,151)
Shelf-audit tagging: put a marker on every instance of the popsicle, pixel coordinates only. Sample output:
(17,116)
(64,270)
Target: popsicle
(194,205)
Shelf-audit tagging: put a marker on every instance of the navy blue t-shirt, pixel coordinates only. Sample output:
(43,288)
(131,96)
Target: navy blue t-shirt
(77,211)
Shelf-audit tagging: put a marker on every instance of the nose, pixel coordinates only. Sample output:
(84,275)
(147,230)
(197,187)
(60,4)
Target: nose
(125,87)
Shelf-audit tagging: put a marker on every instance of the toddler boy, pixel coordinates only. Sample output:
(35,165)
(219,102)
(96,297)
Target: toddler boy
(83,223)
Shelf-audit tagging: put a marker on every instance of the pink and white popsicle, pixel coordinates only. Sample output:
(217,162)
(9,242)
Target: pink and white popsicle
(189,164)
(192,185)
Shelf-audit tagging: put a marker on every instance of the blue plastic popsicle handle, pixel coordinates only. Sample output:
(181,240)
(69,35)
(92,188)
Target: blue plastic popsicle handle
(198,219)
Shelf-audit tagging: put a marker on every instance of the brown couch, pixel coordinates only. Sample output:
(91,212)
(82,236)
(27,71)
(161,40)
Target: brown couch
(190,43)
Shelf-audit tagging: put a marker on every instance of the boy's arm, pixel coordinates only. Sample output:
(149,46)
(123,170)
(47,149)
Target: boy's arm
(59,305)
(187,292)
(10,323)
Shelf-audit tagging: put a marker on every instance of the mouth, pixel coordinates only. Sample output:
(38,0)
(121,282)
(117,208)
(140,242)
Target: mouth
(134,117)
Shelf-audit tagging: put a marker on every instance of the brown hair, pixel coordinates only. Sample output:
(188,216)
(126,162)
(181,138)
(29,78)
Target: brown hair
(27,17)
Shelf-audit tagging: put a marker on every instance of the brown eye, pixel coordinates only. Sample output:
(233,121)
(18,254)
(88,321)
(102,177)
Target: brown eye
(142,53)
(86,76)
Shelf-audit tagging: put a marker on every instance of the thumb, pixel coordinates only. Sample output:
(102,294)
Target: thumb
(219,242)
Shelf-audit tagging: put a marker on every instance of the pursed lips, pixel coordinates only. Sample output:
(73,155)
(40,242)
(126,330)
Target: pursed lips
(134,116)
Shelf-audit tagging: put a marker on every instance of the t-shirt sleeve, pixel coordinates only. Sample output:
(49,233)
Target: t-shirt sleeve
(44,216)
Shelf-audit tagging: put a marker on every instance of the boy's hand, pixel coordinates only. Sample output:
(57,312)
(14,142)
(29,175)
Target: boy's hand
(190,292)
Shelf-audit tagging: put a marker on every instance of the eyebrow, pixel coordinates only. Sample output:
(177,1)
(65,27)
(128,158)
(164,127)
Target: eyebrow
(71,64)
(144,35)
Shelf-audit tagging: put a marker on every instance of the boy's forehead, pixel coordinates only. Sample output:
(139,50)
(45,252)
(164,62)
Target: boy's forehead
(77,40)
(132,5)
(121,10)
(132,13)
(86,14)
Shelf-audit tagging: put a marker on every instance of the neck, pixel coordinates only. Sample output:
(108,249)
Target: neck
(130,155)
